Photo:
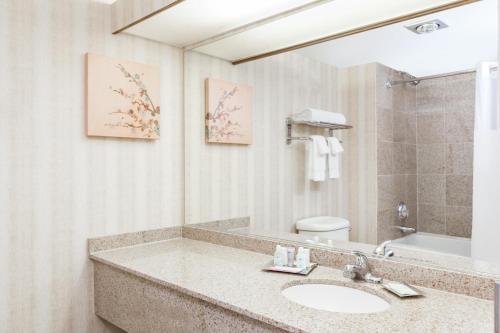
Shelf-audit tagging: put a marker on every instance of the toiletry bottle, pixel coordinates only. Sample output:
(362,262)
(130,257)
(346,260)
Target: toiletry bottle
(290,256)
(307,257)
(278,258)
(284,256)
(300,261)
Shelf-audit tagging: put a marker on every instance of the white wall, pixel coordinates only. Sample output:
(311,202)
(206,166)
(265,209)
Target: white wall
(59,187)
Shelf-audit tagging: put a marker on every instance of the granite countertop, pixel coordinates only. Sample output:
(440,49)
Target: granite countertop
(232,278)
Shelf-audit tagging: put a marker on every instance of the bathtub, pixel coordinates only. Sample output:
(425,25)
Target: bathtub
(436,243)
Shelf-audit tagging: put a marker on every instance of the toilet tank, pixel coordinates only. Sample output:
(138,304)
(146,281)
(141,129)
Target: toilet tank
(328,227)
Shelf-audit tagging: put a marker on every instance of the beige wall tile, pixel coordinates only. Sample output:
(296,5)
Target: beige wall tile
(430,97)
(410,159)
(405,127)
(459,127)
(459,93)
(446,148)
(404,97)
(449,94)
(459,221)
(387,192)
(391,191)
(432,219)
(412,217)
(405,161)
(431,158)
(459,190)
(459,158)
(386,227)
(399,182)
(411,190)
(431,190)
(385,158)
(430,128)
(385,119)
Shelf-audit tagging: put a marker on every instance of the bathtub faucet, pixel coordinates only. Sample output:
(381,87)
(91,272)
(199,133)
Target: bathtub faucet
(383,251)
(406,230)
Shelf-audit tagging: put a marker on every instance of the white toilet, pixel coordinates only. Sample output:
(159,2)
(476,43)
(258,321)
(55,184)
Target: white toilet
(326,227)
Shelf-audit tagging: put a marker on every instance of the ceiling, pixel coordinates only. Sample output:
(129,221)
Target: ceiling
(327,19)
(239,30)
(192,21)
(471,37)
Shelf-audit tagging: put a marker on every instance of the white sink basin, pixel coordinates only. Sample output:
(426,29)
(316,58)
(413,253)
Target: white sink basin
(335,298)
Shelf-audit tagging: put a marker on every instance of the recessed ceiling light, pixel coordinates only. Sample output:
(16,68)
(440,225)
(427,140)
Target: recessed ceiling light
(427,27)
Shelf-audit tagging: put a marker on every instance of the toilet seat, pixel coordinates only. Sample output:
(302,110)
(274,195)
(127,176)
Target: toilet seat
(322,224)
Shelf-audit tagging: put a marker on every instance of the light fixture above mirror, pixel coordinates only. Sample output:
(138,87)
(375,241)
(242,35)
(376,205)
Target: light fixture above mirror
(241,31)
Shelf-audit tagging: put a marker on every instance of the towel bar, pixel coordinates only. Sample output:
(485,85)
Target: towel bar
(330,127)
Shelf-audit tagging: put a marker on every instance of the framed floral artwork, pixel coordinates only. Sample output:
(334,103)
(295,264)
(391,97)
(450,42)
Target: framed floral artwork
(228,112)
(122,98)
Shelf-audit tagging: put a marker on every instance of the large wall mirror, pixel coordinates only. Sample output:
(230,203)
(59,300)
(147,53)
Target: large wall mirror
(418,86)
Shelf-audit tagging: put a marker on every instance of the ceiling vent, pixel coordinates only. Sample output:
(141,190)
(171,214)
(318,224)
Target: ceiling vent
(427,27)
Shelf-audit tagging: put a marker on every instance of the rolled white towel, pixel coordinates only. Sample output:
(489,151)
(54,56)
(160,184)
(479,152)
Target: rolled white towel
(320,116)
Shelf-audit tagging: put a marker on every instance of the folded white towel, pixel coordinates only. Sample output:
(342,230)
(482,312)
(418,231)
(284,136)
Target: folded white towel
(317,152)
(317,116)
(334,151)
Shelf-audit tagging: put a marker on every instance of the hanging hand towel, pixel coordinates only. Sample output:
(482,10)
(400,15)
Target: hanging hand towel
(317,151)
(334,151)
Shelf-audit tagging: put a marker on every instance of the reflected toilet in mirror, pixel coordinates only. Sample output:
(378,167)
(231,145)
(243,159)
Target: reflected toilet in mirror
(324,227)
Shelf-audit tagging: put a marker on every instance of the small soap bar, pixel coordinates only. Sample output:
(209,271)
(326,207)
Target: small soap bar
(292,270)
(401,289)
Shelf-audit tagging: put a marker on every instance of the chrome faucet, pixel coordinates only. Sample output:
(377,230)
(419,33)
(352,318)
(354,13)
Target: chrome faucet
(403,213)
(383,251)
(360,270)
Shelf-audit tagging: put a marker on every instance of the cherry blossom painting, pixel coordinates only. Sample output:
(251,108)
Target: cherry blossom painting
(122,98)
(228,112)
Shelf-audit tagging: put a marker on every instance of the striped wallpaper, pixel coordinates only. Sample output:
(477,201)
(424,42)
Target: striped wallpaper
(58,187)
(357,99)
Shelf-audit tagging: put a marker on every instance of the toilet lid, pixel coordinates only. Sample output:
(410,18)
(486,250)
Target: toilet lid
(322,223)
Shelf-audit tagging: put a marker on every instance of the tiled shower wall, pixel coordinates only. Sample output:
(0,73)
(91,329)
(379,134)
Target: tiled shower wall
(445,134)
(396,153)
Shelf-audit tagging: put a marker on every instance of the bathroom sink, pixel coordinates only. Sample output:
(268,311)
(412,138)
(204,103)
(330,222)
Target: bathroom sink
(335,298)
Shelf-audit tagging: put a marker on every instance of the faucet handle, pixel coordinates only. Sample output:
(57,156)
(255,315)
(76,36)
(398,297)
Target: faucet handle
(349,272)
(361,259)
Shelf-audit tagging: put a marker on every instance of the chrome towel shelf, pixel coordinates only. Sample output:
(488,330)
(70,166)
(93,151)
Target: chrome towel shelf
(331,127)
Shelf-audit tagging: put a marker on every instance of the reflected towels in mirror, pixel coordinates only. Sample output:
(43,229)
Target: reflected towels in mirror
(317,149)
(334,151)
